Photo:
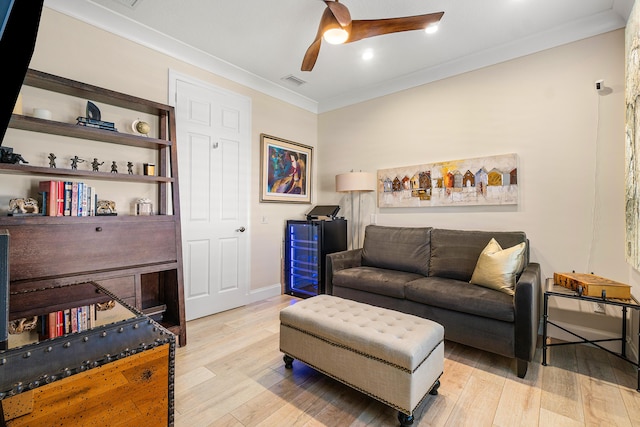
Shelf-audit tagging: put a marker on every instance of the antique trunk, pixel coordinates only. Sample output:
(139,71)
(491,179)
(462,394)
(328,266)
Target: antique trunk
(118,369)
(592,285)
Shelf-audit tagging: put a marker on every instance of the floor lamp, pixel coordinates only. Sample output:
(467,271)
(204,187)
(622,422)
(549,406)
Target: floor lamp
(355,182)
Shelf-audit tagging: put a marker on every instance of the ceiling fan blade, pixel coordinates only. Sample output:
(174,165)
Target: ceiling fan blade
(340,12)
(361,29)
(311,55)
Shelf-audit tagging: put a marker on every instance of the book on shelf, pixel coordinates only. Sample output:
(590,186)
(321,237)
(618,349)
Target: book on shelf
(67,197)
(51,188)
(43,200)
(74,319)
(89,201)
(67,320)
(60,198)
(80,197)
(62,322)
(51,324)
(59,323)
(74,199)
(99,124)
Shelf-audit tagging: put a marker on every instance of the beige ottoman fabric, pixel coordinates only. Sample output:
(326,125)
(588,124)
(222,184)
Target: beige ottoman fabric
(391,356)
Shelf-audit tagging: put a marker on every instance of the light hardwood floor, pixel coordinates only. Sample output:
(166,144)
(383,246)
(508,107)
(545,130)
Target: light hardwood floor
(231,374)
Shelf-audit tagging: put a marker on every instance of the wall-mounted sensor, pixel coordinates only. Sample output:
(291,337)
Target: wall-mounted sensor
(599,85)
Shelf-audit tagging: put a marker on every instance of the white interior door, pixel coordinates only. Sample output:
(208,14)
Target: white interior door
(214,144)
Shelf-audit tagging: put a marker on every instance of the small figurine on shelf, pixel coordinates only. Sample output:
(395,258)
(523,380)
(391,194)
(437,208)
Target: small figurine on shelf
(106,207)
(74,162)
(8,156)
(130,168)
(22,206)
(114,167)
(52,160)
(95,165)
(22,325)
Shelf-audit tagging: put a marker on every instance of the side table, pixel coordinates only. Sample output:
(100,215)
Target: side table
(561,292)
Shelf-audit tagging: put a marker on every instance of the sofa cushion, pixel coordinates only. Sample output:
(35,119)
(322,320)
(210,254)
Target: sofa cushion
(375,280)
(497,268)
(461,296)
(454,253)
(397,248)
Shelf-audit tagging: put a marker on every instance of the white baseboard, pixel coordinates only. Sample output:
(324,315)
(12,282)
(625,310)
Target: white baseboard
(264,293)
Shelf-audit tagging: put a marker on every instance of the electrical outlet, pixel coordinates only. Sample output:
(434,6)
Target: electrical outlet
(598,307)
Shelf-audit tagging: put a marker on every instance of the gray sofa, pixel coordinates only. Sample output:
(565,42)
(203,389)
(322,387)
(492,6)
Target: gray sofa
(426,271)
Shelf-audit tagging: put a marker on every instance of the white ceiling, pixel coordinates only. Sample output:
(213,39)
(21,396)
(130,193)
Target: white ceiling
(258,42)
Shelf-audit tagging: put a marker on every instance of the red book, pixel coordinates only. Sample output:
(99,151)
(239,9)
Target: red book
(51,324)
(60,198)
(60,324)
(51,188)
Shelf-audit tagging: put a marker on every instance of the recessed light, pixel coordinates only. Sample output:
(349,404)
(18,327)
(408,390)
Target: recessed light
(431,28)
(367,54)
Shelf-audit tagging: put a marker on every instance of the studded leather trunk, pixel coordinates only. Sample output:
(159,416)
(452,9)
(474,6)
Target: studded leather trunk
(124,368)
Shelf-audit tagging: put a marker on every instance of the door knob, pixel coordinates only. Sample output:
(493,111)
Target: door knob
(241,229)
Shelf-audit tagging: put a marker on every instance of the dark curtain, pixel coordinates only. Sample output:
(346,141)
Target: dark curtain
(16,49)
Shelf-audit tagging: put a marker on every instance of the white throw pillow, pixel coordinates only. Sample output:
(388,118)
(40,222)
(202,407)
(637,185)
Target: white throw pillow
(498,268)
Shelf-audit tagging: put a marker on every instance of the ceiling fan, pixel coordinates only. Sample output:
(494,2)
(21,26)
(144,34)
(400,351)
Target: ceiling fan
(336,26)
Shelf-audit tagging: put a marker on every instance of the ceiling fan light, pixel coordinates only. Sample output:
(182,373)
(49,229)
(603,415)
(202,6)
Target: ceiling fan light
(336,35)
(431,28)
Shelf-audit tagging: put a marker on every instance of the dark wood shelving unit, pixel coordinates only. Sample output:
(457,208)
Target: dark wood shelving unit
(65,173)
(82,132)
(138,258)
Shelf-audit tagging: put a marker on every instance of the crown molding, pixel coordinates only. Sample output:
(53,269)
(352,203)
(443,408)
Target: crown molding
(574,31)
(105,19)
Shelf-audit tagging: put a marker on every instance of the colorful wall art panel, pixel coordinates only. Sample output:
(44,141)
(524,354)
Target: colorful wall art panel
(470,182)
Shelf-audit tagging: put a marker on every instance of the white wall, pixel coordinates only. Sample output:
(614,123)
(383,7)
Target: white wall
(73,49)
(544,107)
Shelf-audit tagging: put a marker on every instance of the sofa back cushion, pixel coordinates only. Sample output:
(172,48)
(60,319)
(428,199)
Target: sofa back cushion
(454,253)
(397,248)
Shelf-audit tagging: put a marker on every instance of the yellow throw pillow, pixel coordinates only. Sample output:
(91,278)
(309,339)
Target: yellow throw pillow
(497,268)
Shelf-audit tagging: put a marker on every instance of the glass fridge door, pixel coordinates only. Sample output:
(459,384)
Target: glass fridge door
(303,259)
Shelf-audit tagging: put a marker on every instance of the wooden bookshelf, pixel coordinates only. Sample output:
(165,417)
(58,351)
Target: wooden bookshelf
(139,258)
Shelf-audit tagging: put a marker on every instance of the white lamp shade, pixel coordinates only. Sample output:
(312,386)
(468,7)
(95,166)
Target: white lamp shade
(355,181)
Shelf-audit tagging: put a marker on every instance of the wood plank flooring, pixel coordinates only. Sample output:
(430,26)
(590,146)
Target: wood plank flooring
(231,374)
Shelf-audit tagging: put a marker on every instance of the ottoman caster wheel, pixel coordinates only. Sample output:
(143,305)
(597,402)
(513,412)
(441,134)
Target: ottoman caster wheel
(405,420)
(288,361)
(434,389)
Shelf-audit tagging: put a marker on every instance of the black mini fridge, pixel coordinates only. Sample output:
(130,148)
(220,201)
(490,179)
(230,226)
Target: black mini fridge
(307,244)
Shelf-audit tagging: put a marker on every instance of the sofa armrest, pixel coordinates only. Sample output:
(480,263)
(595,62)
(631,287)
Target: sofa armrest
(339,261)
(527,311)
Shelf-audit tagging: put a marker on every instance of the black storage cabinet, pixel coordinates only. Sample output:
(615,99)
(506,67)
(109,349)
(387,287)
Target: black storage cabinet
(307,244)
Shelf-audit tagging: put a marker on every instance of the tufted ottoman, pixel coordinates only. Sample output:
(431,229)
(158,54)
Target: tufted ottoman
(394,357)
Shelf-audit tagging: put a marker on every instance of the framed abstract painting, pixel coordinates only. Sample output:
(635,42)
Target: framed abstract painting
(285,170)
